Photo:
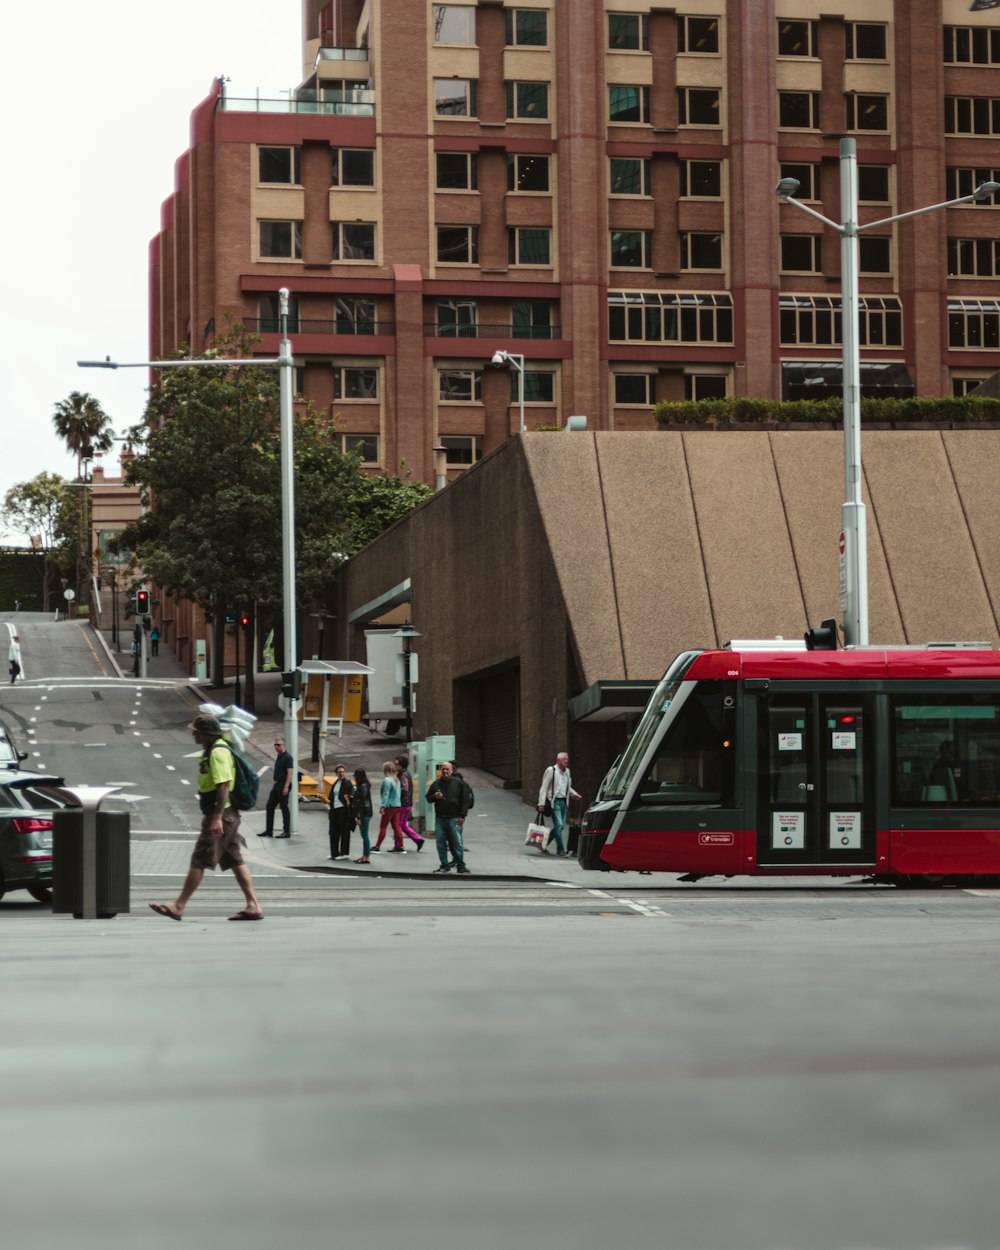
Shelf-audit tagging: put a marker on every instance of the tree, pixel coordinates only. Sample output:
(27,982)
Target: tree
(209,469)
(44,508)
(83,425)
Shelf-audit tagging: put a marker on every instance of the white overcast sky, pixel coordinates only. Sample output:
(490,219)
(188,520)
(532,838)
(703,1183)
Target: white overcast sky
(99,98)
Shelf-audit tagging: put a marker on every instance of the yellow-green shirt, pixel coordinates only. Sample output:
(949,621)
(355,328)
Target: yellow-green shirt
(216,767)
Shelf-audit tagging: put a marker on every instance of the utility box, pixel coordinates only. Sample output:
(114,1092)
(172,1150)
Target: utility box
(90,858)
(426,759)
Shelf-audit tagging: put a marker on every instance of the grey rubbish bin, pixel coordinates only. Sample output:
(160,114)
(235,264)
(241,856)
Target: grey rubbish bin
(90,858)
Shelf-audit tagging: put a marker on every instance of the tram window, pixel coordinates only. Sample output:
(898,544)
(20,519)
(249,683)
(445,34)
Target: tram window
(694,765)
(946,749)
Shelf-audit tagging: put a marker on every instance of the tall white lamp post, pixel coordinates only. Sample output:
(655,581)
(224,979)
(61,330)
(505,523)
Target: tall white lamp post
(285,364)
(501,358)
(854,600)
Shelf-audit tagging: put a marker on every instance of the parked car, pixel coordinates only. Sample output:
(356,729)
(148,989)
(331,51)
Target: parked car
(10,756)
(28,802)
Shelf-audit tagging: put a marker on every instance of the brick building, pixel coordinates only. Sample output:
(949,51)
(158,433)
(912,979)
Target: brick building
(592,188)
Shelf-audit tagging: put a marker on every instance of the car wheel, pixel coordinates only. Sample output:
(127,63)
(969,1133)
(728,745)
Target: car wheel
(40,893)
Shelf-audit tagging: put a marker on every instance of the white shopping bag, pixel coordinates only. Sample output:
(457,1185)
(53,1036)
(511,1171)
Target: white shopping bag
(536,835)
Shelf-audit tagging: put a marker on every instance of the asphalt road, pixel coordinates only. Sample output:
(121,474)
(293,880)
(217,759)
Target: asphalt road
(441,1064)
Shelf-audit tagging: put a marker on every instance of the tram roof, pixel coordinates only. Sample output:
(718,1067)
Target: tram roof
(869,662)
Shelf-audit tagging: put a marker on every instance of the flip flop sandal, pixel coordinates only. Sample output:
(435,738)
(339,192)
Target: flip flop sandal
(242,915)
(162,909)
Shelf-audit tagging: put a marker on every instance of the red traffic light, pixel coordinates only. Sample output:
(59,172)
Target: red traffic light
(244,619)
(142,602)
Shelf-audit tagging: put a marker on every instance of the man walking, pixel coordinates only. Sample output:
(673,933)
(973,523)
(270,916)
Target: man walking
(219,843)
(14,656)
(279,792)
(447,794)
(553,796)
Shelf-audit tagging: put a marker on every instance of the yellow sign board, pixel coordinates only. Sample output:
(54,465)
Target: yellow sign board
(311,707)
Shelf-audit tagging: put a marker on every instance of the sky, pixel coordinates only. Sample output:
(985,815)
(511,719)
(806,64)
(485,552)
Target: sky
(99,99)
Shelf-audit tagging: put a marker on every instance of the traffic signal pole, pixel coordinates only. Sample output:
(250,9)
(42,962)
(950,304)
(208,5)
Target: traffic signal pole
(285,393)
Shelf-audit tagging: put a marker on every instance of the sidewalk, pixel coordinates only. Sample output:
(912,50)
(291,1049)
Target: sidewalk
(494,829)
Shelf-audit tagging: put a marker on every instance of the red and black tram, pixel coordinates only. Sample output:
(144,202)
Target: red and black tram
(769,759)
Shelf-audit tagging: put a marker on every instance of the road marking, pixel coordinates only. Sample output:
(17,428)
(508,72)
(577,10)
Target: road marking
(641,908)
(157,755)
(184,782)
(95,744)
(983,893)
(171,768)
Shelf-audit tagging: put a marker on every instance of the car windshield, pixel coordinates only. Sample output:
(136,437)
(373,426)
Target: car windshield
(617,782)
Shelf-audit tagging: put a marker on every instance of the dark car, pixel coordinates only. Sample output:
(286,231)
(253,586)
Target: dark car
(27,804)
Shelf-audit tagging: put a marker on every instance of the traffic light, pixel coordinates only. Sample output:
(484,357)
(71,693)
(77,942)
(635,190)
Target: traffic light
(245,619)
(141,602)
(291,684)
(824,638)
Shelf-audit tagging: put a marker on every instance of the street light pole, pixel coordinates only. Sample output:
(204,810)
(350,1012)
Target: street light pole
(407,634)
(854,598)
(285,365)
(501,357)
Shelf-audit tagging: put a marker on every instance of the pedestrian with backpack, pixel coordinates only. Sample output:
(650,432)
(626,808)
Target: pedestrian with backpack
(224,786)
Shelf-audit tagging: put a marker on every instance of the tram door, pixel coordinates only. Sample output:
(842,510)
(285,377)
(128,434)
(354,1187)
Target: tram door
(815,780)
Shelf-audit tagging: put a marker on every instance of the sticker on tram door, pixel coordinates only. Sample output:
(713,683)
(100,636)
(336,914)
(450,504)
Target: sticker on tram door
(845,831)
(788,831)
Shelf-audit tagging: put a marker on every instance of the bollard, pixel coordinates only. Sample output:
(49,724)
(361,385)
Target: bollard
(90,857)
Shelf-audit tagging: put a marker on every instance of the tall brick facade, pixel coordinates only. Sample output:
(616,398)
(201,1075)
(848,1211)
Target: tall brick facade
(591,186)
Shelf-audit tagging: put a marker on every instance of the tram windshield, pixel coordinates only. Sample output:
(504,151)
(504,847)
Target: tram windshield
(618,781)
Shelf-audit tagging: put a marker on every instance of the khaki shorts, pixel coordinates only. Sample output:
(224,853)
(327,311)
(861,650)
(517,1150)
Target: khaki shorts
(225,852)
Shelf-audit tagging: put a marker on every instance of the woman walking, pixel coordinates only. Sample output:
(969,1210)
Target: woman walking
(406,799)
(361,809)
(389,807)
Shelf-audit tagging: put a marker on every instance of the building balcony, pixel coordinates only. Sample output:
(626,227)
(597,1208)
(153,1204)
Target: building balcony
(480,331)
(328,53)
(301,325)
(327,102)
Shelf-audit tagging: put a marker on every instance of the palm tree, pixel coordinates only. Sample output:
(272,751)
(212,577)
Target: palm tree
(83,425)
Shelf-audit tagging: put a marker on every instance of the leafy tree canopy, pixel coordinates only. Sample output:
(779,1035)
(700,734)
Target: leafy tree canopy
(208,464)
(43,507)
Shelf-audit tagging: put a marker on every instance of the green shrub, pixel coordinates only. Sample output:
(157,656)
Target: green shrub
(827,411)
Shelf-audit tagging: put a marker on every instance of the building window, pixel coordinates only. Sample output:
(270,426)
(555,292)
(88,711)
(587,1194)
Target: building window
(539,386)
(454,23)
(866,112)
(269,314)
(460,386)
(457,171)
(700,249)
(630,175)
(699,106)
(814,320)
(971,45)
(798,110)
(971,115)
(628,104)
(807,176)
(631,249)
(353,240)
(875,253)
(796,38)
(802,253)
(457,318)
(529,245)
(527,172)
(634,390)
(974,323)
(527,100)
(462,449)
(279,165)
(706,386)
(628,32)
(526,28)
(531,319)
(350,382)
(354,315)
(698,34)
(973,258)
(281,239)
(455,97)
(364,446)
(352,167)
(700,178)
(964,385)
(865,41)
(961,180)
(670,317)
(873,184)
(458,245)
